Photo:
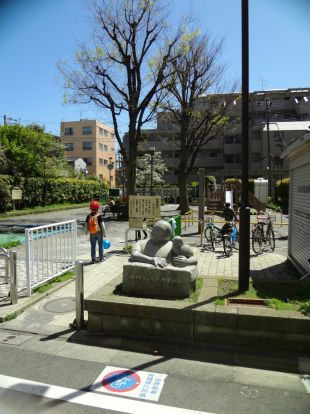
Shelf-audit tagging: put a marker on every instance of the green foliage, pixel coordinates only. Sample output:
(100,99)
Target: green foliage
(51,283)
(305,308)
(10,244)
(194,294)
(52,191)
(280,296)
(30,152)
(282,188)
(211,181)
(5,195)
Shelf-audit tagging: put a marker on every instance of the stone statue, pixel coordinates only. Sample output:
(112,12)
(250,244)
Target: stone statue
(160,251)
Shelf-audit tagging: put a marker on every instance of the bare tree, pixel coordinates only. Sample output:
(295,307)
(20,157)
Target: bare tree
(125,70)
(195,102)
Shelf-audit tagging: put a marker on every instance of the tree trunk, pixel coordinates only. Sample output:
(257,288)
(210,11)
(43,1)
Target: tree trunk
(182,181)
(132,161)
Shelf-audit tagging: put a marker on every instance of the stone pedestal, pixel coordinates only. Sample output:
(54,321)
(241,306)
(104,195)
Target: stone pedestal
(148,281)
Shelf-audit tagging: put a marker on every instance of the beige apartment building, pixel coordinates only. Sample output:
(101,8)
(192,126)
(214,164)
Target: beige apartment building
(94,142)
(276,118)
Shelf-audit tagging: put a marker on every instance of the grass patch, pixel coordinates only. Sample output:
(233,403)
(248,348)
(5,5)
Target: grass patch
(281,296)
(41,209)
(10,244)
(11,316)
(51,283)
(194,294)
(192,298)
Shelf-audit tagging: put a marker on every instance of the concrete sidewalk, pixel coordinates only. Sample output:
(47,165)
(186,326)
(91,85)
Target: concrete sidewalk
(55,309)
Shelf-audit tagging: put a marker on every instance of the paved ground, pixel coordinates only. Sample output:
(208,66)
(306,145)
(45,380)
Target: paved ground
(212,265)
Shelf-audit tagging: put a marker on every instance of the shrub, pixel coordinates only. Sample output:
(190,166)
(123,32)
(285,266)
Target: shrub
(40,191)
(5,195)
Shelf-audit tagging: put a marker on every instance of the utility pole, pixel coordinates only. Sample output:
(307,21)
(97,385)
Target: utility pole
(244,255)
(268,105)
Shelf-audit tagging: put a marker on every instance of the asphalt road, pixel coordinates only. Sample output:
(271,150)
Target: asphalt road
(56,376)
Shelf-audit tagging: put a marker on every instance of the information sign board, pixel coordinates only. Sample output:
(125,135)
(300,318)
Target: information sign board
(17,193)
(144,206)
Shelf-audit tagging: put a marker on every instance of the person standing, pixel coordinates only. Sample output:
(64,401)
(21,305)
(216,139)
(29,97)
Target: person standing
(229,215)
(96,229)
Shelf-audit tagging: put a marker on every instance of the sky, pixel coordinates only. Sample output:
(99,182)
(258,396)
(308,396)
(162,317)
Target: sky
(36,34)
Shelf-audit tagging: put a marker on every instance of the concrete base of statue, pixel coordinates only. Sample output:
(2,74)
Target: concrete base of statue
(153,282)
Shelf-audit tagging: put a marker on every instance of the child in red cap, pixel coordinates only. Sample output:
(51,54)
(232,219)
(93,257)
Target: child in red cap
(96,229)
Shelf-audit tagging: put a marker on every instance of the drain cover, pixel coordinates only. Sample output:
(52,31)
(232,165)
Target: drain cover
(61,305)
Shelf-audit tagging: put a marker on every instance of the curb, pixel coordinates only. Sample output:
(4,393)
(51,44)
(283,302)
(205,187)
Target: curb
(18,308)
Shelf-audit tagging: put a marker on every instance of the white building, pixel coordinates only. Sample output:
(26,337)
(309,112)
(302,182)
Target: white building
(298,154)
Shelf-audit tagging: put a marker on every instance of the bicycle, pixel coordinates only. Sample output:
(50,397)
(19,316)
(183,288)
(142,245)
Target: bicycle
(260,237)
(231,239)
(212,233)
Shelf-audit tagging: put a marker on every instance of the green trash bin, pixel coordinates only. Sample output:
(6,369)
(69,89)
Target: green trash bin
(178,225)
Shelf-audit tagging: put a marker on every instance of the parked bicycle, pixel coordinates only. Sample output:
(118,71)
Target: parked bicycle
(230,238)
(263,239)
(212,232)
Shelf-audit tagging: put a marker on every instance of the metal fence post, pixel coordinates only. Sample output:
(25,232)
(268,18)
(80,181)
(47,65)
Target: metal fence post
(13,277)
(79,293)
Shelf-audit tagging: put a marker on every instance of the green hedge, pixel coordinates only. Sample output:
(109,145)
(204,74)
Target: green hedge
(37,191)
(282,189)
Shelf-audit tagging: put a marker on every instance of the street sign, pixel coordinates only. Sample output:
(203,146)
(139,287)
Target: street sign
(136,384)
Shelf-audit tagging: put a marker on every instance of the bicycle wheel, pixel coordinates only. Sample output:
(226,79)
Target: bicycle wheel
(217,234)
(257,241)
(208,232)
(212,239)
(236,242)
(227,245)
(270,239)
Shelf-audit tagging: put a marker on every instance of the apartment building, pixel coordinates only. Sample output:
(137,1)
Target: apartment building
(276,118)
(94,142)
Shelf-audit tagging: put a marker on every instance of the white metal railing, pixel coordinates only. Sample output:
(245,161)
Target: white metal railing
(50,251)
(8,274)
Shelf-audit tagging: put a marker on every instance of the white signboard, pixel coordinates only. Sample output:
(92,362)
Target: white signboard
(144,206)
(17,193)
(136,384)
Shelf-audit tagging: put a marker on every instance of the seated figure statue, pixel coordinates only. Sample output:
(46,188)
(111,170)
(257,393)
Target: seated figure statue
(160,267)
(160,251)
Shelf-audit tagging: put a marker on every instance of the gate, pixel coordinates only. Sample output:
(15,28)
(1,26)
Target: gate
(50,251)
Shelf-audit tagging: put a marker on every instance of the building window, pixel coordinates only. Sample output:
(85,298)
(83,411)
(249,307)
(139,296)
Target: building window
(88,161)
(105,147)
(112,149)
(69,146)
(87,145)
(100,161)
(105,133)
(238,158)
(100,147)
(101,131)
(101,176)
(229,140)
(105,162)
(68,131)
(229,158)
(87,130)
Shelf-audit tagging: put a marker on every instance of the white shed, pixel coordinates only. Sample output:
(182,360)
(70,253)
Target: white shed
(298,154)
